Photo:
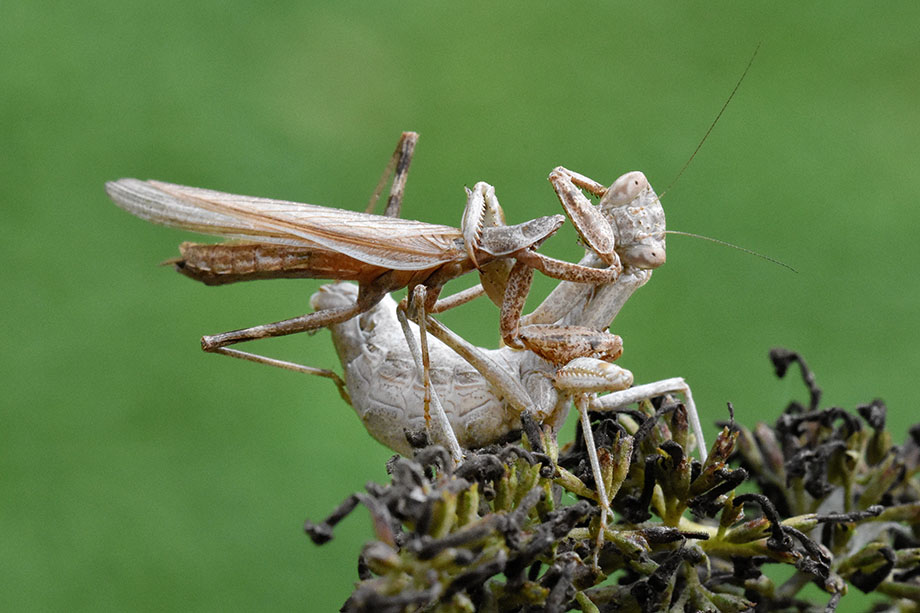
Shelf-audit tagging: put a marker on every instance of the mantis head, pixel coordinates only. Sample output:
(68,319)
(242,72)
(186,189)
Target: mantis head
(637,219)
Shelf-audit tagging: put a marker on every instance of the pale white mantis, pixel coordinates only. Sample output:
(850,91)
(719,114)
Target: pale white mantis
(482,393)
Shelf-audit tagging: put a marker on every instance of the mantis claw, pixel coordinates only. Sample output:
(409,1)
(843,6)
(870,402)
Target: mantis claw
(562,344)
(589,221)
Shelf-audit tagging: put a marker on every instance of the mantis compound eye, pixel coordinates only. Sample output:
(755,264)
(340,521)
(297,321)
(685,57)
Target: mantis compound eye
(647,255)
(625,189)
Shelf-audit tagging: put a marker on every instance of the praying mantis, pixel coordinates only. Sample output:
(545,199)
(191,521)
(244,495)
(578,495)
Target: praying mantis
(560,352)
(282,239)
(485,392)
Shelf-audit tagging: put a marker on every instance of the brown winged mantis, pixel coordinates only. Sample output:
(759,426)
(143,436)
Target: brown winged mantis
(280,239)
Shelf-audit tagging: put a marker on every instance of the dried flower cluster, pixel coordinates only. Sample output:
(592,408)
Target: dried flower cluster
(515,529)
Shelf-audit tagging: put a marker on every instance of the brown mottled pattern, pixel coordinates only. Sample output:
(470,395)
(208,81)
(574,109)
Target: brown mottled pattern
(561,344)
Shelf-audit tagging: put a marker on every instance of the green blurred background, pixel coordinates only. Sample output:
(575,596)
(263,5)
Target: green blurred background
(138,472)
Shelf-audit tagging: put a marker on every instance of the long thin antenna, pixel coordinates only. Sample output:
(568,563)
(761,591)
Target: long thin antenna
(733,246)
(714,121)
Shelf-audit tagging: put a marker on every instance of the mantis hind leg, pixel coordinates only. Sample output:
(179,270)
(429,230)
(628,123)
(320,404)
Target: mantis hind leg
(367,298)
(398,167)
(436,420)
(307,370)
(581,403)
